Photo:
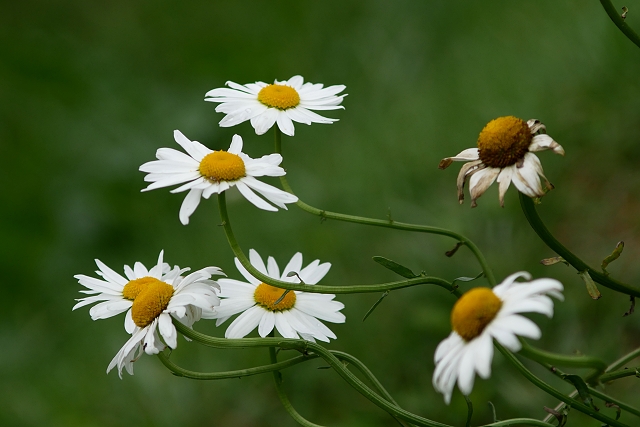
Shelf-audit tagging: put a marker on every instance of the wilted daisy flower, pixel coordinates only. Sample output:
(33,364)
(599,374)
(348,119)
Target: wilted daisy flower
(283,102)
(205,172)
(505,152)
(484,314)
(295,316)
(150,298)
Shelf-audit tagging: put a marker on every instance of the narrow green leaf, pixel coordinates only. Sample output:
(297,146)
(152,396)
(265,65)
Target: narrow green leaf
(467,279)
(493,412)
(582,388)
(614,256)
(373,307)
(469,411)
(553,260)
(395,267)
(594,293)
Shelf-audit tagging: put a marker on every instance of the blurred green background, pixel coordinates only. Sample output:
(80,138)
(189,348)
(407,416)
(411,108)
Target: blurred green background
(90,90)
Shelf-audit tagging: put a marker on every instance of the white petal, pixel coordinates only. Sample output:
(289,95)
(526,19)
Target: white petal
(266,323)
(480,181)
(311,276)
(272,268)
(253,198)
(167,330)
(285,124)
(245,323)
(257,262)
(265,121)
(189,205)
(236,145)
(283,327)
(294,265)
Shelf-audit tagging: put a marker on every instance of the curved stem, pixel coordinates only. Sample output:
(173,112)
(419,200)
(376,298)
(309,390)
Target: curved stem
(538,226)
(366,372)
(623,360)
(488,273)
(181,372)
(617,19)
(277,377)
(322,289)
(555,393)
(544,357)
(305,347)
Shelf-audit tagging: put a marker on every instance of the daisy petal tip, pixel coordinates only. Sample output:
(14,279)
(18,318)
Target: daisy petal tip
(445,163)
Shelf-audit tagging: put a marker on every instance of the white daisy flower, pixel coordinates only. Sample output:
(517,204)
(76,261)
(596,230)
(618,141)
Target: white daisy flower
(295,316)
(283,102)
(205,172)
(150,298)
(505,152)
(484,314)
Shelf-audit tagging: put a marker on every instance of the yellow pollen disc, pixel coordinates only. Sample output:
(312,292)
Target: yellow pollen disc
(222,166)
(279,96)
(134,287)
(150,302)
(474,311)
(504,141)
(265,295)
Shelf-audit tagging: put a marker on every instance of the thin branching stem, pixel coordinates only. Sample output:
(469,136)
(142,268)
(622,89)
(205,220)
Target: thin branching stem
(555,393)
(306,347)
(322,289)
(388,223)
(619,21)
(529,209)
(624,360)
(592,391)
(547,357)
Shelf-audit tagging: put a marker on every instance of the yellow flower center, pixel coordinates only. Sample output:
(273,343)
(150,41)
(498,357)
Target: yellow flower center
(150,301)
(222,166)
(279,96)
(504,141)
(474,311)
(132,289)
(266,295)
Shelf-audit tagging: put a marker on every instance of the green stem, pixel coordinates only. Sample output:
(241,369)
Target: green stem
(322,289)
(305,347)
(607,398)
(620,23)
(592,391)
(623,360)
(615,375)
(181,372)
(538,226)
(277,377)
(364,370)
(542,356)
(518,422)
(555,393)
(488,273)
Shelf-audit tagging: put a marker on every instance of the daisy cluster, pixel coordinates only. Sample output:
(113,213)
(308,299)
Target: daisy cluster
(152,299)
